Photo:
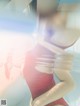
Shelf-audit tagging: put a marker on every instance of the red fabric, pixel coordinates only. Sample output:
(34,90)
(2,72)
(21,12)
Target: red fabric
(39,82)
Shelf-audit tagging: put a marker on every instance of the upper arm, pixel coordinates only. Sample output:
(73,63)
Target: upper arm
(63,75)
(62,67)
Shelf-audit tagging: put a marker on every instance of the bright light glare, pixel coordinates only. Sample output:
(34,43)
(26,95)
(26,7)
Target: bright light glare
(15,45)
(14,41)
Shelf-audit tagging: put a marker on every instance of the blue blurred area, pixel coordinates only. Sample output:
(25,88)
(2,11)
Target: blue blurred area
(17,26)
(69,1)
(18,94)
(18,23)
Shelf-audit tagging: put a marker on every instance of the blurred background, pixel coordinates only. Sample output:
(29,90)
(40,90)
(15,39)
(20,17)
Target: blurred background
(17,25)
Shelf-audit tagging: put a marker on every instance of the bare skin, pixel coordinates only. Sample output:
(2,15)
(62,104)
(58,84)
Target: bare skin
(59,21)
(67,83)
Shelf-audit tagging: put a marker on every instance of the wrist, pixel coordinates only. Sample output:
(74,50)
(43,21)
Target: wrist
(39,101)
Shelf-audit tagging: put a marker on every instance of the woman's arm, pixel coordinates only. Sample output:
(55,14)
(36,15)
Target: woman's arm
(57,92)
(62,69)
(65,85)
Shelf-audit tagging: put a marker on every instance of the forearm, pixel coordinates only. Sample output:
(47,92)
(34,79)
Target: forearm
(66,81)
(54,94)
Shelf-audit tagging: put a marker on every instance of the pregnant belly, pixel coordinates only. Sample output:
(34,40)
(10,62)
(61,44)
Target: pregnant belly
(38,82)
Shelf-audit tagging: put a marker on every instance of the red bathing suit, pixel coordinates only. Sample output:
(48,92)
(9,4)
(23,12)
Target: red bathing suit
(39,82)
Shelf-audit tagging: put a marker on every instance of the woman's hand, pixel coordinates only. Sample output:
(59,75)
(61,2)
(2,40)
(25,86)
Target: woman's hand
(36,103)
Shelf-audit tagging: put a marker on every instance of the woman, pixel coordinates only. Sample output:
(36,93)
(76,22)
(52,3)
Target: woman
(49,56)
